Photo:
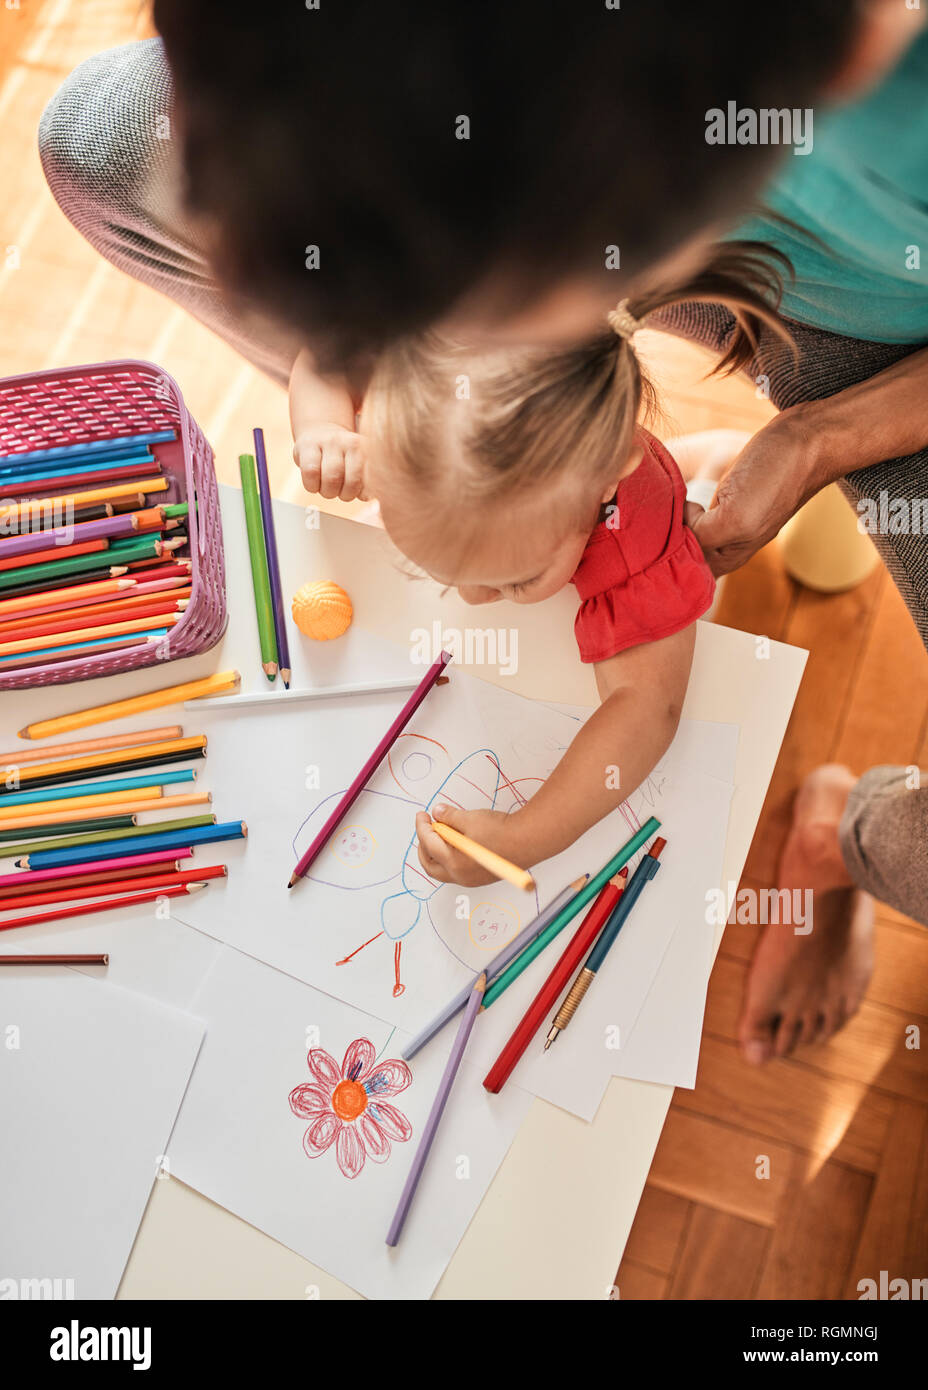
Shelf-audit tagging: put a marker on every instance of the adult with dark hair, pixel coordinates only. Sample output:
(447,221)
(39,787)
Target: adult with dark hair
(354,173)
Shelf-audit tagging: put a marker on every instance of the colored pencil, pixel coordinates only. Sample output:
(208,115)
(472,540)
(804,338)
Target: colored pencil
(37,606)
(131,764)
(106,757)
(106,905)
(13,807)
(273,559)
(494,863)
(251,699)
(12,665)
(427,1137)
(545,999)
(91,592)
(100,494)
(116,823)
(647,868)
(82,531)
(97,447)
(148,863)
(52,553)
(24,487)
(173,510)
(260,578)
(138,807)
(29,884)
(76,564)
(136,704)
(44,585)
(118,743)
(111,886)
(92,838)
(71,620)
(349,797)
(496,966)
(567,914)
(114,848)
(81,958)
(66,467)
(42,640)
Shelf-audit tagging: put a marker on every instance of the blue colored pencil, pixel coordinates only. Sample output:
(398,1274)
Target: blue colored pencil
(10,476)
(100,447)
(138,844)
(437,1110)
(77,646)
(113,784)
(273,559)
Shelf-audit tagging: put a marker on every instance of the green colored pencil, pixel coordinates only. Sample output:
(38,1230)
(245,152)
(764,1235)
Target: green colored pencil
(570,910)
(142,549)
(260,576)
(175,509)
(73,841)
(76,827)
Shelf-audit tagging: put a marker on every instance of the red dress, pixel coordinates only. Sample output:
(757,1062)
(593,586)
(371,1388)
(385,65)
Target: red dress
(642,575)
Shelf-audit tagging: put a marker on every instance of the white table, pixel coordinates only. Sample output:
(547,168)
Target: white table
(531,1238)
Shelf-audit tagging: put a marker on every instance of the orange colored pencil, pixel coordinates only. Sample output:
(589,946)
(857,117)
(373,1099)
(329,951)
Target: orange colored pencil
(84,803)
(122,491)
(90,745)
(76,592)
(159,749)
(161,803)
(85,634)
(98,616)
(55,552)
(105,905)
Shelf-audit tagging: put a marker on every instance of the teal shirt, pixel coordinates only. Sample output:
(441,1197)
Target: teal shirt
(863,189)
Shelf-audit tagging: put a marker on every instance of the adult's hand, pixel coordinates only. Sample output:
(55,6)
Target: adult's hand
(770,479)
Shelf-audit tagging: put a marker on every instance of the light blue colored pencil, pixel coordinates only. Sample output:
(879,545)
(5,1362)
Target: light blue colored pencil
(137,844)
(11,477)
(113,784)
(100,447)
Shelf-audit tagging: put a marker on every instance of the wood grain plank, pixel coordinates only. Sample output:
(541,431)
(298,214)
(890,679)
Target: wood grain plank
(895,1233)
(705,1161)
(657,1232)
(722,1257)
(635,1283)
(816,1234)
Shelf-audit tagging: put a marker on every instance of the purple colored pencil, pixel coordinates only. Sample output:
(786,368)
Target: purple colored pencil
(124,525)
(436,1112)
(273,559)
(376,758)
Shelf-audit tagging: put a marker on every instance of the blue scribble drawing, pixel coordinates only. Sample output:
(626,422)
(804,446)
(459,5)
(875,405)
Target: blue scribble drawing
(376,847)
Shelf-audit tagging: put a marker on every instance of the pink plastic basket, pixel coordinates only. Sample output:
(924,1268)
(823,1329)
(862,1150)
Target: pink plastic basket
(76,405)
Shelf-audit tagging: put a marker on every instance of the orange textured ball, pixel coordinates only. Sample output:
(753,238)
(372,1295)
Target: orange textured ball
(322,610)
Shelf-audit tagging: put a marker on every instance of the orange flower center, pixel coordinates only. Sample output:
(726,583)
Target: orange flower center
(349,1099)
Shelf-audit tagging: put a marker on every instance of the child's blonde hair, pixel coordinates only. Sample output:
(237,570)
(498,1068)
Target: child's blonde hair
(511,419)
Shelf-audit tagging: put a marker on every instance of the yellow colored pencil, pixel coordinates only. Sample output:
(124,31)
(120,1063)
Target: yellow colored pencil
(163,803)
(143,750)
(492,862)
(83,499)
(89,745)
(77,803)
(136,704)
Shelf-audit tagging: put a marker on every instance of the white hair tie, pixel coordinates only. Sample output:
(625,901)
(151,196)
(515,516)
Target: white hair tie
(622,321)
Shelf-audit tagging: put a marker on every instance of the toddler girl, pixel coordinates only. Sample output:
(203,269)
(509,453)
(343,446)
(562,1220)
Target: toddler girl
(510,473)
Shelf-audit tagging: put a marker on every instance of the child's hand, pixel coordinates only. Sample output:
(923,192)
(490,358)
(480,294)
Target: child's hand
(331,460)
(493,829)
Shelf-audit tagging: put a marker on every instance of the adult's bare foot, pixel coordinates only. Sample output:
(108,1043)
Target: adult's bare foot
(801,988)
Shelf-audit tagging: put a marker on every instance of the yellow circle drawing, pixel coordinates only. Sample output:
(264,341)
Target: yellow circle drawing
(353,845)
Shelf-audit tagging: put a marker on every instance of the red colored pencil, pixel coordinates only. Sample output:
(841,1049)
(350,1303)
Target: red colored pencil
(155,574)
(106,905)
(101,616)
(111,886)
(574,954)
(81,959)
(55,552)
(27,887)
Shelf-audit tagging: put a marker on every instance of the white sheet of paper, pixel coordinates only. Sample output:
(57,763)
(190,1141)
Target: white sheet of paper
(238,1141)
(91,1080)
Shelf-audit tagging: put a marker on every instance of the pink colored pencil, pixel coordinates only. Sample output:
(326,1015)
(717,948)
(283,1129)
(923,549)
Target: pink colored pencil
(375,759)
(156,586)
(155,856)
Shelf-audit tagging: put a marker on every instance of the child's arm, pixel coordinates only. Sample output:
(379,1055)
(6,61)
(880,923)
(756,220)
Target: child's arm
(326,447)
(642,694)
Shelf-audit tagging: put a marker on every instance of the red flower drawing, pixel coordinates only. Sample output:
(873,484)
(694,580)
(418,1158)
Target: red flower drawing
(346,1106)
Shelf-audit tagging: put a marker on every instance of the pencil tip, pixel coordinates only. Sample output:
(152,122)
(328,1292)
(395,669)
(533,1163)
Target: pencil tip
(292,881)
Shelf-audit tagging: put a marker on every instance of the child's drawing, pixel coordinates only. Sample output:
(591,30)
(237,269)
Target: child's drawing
(378,848)
(346,1106)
